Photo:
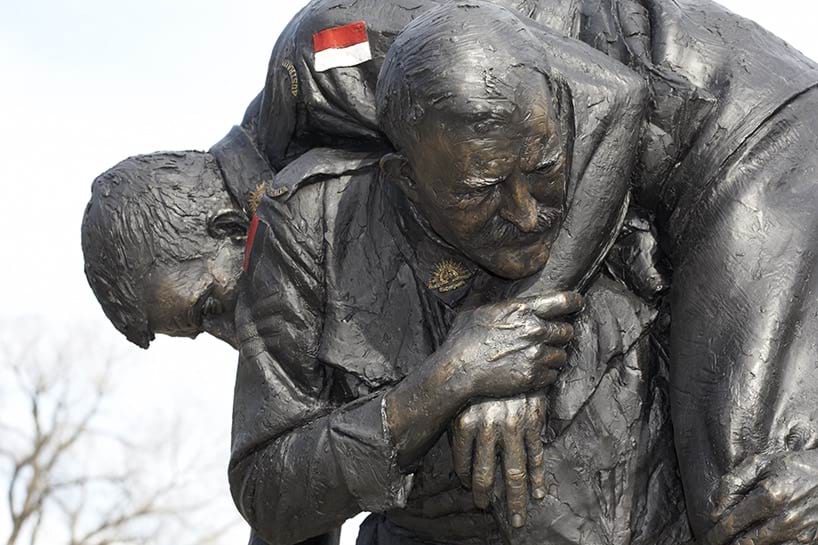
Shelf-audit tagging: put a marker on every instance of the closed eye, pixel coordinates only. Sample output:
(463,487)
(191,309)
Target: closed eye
(482,192)
(548,165)
(482,183)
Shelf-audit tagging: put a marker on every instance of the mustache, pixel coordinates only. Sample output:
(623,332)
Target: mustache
(500,231)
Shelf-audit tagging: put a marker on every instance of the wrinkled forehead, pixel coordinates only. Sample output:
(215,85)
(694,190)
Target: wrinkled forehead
(487,101)
(520,123)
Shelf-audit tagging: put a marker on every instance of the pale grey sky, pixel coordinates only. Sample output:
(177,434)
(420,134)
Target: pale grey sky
(86,83)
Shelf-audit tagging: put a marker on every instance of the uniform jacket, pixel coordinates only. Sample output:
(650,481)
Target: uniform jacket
(338,306)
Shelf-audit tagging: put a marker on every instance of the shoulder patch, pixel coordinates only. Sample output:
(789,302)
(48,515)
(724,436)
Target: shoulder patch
(341,46)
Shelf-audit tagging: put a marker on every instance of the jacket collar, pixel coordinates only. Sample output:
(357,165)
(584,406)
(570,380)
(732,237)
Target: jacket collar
(245,170)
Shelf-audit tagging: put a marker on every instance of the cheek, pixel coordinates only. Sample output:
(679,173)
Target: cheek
(228,260)
(471,222)
(226,268)
(456,222)
(171,310)
(549,190)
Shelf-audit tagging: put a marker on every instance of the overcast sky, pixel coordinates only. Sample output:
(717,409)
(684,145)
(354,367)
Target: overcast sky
(86,83)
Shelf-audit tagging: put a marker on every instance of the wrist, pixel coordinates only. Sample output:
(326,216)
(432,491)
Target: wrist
(448,382)
(420,408)
(432,390)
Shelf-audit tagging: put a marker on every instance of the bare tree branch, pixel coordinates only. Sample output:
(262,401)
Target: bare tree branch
(50,482)
(35,531)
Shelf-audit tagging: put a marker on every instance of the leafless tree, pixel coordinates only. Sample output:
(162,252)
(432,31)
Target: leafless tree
(70,479)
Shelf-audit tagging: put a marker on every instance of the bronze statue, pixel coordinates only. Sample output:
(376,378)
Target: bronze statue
(717,112)
(348,397)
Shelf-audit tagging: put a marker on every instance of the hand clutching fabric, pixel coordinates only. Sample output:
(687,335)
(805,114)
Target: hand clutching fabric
(507,431)
(768,500)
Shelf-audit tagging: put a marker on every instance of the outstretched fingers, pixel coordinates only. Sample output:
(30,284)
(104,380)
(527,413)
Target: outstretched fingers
(464,434)
(737,483)
(553,333)
(754,508)
(786,528)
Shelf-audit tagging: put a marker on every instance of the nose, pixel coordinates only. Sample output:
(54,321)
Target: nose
(518,205)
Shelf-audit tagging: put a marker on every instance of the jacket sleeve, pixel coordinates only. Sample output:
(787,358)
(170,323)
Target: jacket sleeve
(745,323)
(301,463)
(600,105)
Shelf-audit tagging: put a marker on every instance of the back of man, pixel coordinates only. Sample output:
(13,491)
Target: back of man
(715,76)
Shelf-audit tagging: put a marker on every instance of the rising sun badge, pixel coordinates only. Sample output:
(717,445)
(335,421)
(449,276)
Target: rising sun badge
(448,276)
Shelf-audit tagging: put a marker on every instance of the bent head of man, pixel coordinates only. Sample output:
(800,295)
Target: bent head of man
(163,240)
(466,103)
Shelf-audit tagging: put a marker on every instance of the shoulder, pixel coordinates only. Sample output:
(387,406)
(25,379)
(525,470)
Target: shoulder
(595,78)
(304,192)
(312,194)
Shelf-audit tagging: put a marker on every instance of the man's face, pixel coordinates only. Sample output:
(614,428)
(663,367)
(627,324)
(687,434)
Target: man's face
(190,297)
(496,193)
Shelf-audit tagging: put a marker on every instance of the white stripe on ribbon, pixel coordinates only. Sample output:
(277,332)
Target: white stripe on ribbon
(337,58)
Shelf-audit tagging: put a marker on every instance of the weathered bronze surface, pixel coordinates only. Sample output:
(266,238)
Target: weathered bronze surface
(525,272)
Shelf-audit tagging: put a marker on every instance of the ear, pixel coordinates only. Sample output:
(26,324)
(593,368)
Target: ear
(228,223)
(397,170)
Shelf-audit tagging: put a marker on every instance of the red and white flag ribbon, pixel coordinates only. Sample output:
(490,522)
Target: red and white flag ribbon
(341,46)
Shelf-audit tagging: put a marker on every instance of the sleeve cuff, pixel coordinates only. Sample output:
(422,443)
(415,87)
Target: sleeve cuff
(367,456)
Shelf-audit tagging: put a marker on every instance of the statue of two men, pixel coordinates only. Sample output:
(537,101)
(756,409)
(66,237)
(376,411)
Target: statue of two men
(407,344)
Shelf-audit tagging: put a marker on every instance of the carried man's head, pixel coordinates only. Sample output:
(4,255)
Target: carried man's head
(463,95)
(163,240)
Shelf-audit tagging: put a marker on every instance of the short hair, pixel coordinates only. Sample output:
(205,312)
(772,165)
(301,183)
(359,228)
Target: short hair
(147,210)
(458,59)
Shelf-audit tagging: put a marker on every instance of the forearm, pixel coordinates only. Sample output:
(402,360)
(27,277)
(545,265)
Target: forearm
(353,459)
(744,380)
(313,478)
(420,408)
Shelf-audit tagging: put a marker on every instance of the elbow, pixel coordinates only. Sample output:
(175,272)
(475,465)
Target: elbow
(242,489)
(251,502)
(271,509)
(637,90)
(627,94)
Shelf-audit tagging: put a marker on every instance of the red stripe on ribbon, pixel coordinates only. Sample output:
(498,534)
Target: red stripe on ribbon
(340,37)
(251,237)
